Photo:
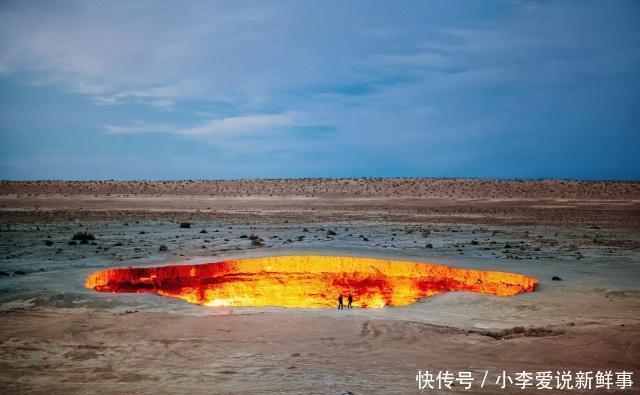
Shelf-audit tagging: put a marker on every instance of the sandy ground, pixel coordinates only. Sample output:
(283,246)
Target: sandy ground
(58,338)
(81,351)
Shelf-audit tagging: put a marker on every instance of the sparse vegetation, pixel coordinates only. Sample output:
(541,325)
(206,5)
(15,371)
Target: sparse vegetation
(83,237)
(256,241)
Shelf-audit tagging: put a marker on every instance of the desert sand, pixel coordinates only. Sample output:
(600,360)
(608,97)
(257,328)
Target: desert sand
(59,338)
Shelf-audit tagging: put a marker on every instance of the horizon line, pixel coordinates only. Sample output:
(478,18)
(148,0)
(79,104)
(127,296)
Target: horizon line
(507,179)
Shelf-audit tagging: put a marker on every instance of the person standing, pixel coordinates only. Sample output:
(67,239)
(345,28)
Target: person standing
(340,303)
(349,301)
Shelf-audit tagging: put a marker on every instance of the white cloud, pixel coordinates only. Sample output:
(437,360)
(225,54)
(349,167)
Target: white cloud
(128,51)
(244,124)
(140,128)
(229,126)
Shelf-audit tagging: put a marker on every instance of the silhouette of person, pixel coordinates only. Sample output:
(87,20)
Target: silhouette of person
(349,301)
(340,303)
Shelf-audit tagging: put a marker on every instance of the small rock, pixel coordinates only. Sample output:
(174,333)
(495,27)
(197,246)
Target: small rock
(163,248)
(556,278)
(48,243)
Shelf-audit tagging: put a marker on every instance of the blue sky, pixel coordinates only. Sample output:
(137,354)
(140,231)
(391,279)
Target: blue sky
(161,90)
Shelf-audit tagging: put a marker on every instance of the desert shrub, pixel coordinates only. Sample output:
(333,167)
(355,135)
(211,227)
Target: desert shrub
(163,248)
(257,243)
(83,236)
(185,225)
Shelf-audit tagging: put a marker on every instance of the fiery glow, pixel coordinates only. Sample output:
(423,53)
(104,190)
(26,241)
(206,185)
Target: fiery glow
(306,281)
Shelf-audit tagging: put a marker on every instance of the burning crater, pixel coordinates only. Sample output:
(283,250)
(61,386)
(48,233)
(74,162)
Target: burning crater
(306,281)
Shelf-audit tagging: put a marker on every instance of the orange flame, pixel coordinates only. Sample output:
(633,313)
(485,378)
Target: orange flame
(307,281)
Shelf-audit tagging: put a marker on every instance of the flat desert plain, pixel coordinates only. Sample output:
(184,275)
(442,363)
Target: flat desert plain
(580,239)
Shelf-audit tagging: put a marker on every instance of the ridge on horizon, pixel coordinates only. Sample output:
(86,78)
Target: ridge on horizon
(371,178)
